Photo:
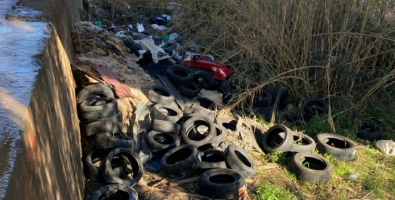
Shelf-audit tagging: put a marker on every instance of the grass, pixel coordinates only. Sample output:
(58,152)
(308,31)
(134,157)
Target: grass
(374,171)
(266,191)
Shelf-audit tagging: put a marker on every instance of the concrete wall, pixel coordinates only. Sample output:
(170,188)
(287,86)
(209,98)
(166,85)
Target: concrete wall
(49,166)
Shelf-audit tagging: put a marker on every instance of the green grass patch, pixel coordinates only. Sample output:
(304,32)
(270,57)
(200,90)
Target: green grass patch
(266,191)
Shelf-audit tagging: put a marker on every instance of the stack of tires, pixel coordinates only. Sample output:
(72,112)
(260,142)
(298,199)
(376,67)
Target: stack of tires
(309,166)
(112,160)
(185,144)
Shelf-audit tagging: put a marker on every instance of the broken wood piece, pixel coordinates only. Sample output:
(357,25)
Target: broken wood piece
(188,180)
(270,166)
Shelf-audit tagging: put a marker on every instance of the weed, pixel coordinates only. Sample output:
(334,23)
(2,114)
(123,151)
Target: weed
(266,191)
(277,157)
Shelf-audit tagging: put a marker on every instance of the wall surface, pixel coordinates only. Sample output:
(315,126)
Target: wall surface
(39,133)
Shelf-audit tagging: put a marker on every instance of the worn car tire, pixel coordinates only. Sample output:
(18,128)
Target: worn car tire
(109,140)
(239,160)
(180,161)
(270,139)
(190,134)
(161,95)
(165,126)
(337,146)
(317,171)
(263,99)
(221,184)
(101,127)
(133,160)
(204,79)
(212,159)
(375,132)
(115,191)
(166,112)
(95,90)
(179,75)
(190,90)
(94,109)
(219,136)
(160,142)
(314,106)
(91,171)
(305,143)
(206,106)
(279,97)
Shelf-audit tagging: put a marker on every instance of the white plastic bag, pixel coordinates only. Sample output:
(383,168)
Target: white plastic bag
(386,146)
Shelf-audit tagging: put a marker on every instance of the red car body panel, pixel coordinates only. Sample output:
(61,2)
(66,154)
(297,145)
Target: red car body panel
(219,71)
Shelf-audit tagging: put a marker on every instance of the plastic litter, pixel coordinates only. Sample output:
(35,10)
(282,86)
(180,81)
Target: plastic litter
(161,20)
(140,27)
(120,34)
(157,27)
(353,176)
(386,146)
(172,37)
(130,27)
(157,52)
(98,23)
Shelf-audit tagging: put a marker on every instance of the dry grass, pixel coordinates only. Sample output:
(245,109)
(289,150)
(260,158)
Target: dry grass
(339,50)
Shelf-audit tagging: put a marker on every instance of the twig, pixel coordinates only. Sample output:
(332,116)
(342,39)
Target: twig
(172,192)
(188,180)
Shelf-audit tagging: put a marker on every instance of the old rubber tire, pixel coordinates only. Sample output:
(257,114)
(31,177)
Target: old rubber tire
(311,168)
(370,132)
(263,99)
(94,90)
(109,140)
(279,97)
(101,127)
(239,160)
(134,162)
(160,142)
(179,75)
(180,161)
(159,94)
(166,112)
(165,126)
(190,134)
(190,90)
(270,139)
(337,146)
(219,136)
(94,109)
(115,191)
(212,159)
(221,184)
(96,156)
(314,106)
(206,106)
(227,88)
(204,79)
(302,143)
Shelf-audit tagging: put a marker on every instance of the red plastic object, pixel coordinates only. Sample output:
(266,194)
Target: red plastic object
(218,70)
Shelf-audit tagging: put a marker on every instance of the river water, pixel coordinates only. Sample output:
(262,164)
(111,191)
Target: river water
(20,43)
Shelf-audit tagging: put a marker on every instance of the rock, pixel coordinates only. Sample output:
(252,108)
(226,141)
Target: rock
(25,14)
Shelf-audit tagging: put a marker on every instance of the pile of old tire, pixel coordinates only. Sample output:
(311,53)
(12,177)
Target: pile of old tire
(183,80)
(164,127)
(309,166)
(112,160)
(120,169)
